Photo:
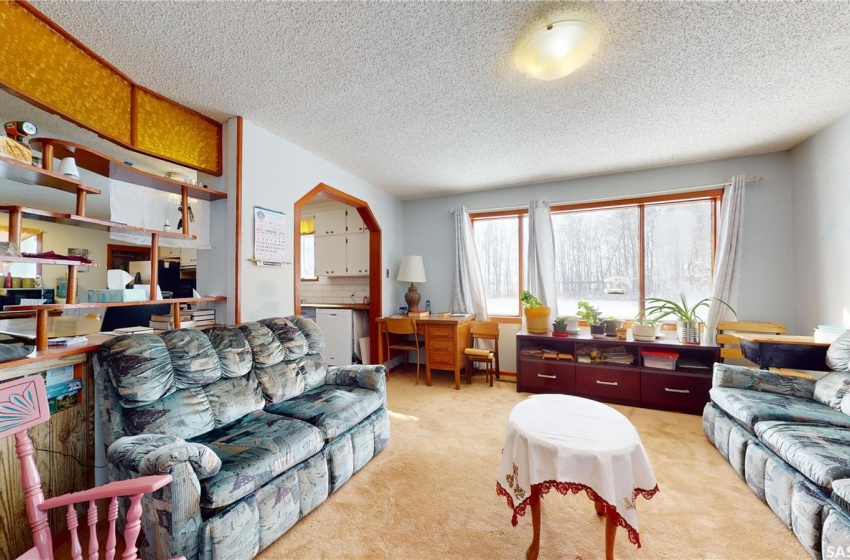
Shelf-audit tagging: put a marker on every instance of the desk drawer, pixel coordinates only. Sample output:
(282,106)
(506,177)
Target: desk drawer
(444,332)
(441,360)
(441,346)
(619,384)
(675,389)
(547,376)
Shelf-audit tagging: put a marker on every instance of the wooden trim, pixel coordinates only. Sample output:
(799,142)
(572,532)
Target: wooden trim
(655,199)
(237,300)
(375,256)
(497,214)
(505,319)
(154,266)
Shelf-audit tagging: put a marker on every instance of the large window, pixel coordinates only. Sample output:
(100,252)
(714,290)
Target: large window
(612,254)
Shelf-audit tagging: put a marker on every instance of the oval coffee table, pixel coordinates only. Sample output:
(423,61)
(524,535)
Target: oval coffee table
(574,444)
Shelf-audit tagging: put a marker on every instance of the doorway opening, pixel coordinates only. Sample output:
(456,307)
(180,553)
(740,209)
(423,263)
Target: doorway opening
(375,293)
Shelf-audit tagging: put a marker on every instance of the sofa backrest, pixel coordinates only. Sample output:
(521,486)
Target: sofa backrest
(187,382)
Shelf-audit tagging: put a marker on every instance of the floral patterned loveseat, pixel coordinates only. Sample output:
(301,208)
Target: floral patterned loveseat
(789,439)
(255,428)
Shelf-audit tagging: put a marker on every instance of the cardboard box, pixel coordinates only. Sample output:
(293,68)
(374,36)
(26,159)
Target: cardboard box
(110,296)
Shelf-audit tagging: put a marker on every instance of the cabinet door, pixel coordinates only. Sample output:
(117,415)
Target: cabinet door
(330,222)
(169,253)
(336,327)
(357,257)
(329,255)
(188,258)
(354,223)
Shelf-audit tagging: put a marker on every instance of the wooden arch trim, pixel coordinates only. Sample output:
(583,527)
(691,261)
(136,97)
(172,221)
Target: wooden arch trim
(375,262)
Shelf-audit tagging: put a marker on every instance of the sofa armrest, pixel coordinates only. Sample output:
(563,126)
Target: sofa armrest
(367,376)
(150,454)
(740,377)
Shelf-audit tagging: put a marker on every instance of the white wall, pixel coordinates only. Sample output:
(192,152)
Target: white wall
(275,174)
(821,198)
(767,284)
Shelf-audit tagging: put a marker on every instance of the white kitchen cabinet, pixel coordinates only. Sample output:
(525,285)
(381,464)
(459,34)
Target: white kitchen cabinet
(353,222)
(169,253)
(357,254)
(329,255)
(188,258)
(336,326)
(330,222)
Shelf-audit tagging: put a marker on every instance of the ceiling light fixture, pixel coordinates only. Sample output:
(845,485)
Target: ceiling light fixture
(557,50)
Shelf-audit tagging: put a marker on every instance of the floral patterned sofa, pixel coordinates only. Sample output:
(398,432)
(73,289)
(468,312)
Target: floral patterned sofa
(255,428)
(789,439)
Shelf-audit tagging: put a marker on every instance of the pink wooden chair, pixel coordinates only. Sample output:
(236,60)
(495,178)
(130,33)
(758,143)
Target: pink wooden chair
(23,404)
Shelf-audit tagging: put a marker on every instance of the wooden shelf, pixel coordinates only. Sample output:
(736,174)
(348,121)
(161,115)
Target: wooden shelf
(35,260)
(105,165)
(61,306)
(90,223)
(27,174)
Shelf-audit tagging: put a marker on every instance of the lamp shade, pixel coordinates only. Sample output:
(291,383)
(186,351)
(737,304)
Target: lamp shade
(412,269)
(557,50)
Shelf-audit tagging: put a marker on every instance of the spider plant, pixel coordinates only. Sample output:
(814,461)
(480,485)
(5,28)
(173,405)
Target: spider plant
(659,308)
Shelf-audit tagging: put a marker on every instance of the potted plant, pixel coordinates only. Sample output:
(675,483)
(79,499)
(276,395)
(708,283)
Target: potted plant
(687,321)
(644,327)
(591,315)
(536,314)
(560,324)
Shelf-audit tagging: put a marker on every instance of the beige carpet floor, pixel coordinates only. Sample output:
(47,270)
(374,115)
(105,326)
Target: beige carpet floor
(431,492)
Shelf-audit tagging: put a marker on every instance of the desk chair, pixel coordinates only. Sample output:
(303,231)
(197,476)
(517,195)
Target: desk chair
(730,345)
(23,404)
(404,326)
(483,330)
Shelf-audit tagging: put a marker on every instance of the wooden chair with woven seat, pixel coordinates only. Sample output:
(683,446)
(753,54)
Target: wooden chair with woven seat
(405,327)
(730,344)
(483,330)
(23,404)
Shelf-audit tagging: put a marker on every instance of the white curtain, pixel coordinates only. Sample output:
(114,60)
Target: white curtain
(467,283)
(541,255)
(727,261)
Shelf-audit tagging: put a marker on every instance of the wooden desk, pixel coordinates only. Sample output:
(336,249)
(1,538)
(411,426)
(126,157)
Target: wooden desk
(445,340)
(784,351)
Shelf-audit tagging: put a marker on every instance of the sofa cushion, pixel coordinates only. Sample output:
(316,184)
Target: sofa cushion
(831,388)
(193,358)
(139,367)
(838,353)
(821,453)
(253,450)
(334,409)
(750,407)
(841,493)
(185,413)
(312,333)
(291,339)
(230,399)
(741,377)
(234,353)
(265,347)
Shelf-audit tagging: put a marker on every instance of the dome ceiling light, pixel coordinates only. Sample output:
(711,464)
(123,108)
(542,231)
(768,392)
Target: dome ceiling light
(557,50)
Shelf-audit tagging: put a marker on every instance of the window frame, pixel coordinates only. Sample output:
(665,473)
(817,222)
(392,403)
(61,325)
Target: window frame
(715,196)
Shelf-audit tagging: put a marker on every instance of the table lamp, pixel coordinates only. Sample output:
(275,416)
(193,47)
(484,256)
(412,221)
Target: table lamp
(412,270)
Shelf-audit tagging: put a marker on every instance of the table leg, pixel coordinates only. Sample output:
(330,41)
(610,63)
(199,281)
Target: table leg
(534,547)
(610,533)
(598,507)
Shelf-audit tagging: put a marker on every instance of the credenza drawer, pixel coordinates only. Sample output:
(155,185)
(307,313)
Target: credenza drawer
(547,376)
(608,382)
(675,389)
(445,332)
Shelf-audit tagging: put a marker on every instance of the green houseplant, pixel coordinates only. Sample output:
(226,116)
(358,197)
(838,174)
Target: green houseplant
(591,315)
(536,314)
(645,327)
(560,324)
(687,321)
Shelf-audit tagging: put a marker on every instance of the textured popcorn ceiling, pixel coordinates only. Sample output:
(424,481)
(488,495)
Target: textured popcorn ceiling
(423,99)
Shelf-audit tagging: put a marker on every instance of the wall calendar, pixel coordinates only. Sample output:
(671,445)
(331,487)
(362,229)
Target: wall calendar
(269,236)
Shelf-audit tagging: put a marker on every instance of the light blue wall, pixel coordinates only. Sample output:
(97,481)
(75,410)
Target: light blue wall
(767,285)
(275,174)
(821,171)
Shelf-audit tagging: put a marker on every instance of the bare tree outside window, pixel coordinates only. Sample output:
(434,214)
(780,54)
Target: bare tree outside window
(497,241)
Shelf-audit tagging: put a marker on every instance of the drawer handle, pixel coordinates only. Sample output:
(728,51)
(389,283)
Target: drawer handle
(612,383)
(683,391)
(547,376)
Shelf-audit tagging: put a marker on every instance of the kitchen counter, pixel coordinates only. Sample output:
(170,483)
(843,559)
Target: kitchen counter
(361,306)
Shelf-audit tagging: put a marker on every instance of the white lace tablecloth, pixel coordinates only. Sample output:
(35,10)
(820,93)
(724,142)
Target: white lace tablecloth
(573,445)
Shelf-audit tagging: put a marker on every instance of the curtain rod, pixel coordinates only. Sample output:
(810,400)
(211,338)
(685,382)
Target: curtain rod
(754,179)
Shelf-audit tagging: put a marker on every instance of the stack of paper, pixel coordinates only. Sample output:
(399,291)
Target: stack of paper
(202,317)
(66,340)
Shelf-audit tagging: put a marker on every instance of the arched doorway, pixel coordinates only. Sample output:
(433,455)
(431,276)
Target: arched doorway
(375,266)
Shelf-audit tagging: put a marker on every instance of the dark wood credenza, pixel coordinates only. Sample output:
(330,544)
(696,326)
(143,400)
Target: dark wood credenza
(684,389)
